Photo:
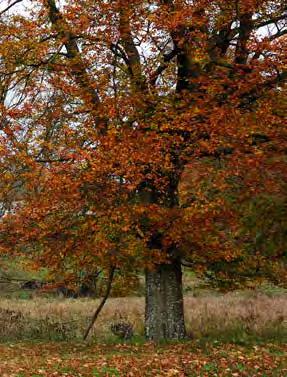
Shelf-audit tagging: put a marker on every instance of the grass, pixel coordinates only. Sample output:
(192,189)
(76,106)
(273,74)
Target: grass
(233,317)
(187,359)
(233,335)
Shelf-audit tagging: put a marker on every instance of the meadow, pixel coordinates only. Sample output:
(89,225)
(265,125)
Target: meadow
(235,334)
(240,333)
(232,317)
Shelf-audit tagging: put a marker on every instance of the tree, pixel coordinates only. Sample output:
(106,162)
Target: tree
(106,106)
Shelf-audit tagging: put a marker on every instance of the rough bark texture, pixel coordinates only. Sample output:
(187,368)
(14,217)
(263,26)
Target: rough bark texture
(164,316)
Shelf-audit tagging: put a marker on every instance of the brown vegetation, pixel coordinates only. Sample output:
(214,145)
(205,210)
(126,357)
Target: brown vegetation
(233,316)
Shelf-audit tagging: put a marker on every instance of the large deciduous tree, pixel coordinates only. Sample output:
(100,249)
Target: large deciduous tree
(111,109)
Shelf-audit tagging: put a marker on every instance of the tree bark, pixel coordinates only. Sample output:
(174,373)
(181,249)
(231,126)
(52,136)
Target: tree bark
(164,315)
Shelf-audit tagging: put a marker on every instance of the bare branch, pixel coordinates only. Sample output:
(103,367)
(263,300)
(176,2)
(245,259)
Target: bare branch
(10,6)
(272,20)
(279,34)
(102,303)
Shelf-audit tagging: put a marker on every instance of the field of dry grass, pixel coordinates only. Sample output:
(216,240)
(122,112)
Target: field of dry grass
(236,334)
(231,316)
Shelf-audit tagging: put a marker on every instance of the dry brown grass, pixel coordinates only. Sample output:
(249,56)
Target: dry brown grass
(258,315)
(234,315)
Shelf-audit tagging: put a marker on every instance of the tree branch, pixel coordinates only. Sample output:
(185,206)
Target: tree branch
(10,6)
(50,161)
(131,52)
(278,34)
(77,65)
(245,29)
(271,21)
(102,303)
(166,59)
(254,93)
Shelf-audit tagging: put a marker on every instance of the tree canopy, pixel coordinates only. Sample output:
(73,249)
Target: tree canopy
(134,132)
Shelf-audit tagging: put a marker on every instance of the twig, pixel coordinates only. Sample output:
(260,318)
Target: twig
(10,6)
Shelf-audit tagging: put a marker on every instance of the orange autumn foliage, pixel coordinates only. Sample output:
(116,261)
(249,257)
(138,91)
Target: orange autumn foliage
(131,130)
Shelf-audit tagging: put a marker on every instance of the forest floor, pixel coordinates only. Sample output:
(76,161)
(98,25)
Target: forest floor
(191,358)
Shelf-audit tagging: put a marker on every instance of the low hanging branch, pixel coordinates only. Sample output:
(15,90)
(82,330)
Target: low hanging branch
(102,303)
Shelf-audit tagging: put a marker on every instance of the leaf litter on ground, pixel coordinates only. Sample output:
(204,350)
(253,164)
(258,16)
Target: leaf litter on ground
(185,359)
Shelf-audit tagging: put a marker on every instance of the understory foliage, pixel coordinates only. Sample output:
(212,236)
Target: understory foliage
(134,132)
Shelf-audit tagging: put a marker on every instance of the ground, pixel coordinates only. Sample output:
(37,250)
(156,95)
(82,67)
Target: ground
(187,359)
(236,334)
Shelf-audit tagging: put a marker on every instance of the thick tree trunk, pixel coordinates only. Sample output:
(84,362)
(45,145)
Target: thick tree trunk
(164,316)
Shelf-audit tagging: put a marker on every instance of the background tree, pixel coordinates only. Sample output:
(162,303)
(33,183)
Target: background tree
(106,107)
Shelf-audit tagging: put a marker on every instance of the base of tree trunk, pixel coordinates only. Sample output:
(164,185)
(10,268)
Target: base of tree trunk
(164,315)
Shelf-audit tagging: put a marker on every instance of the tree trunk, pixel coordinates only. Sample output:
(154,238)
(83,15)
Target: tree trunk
(164,315)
